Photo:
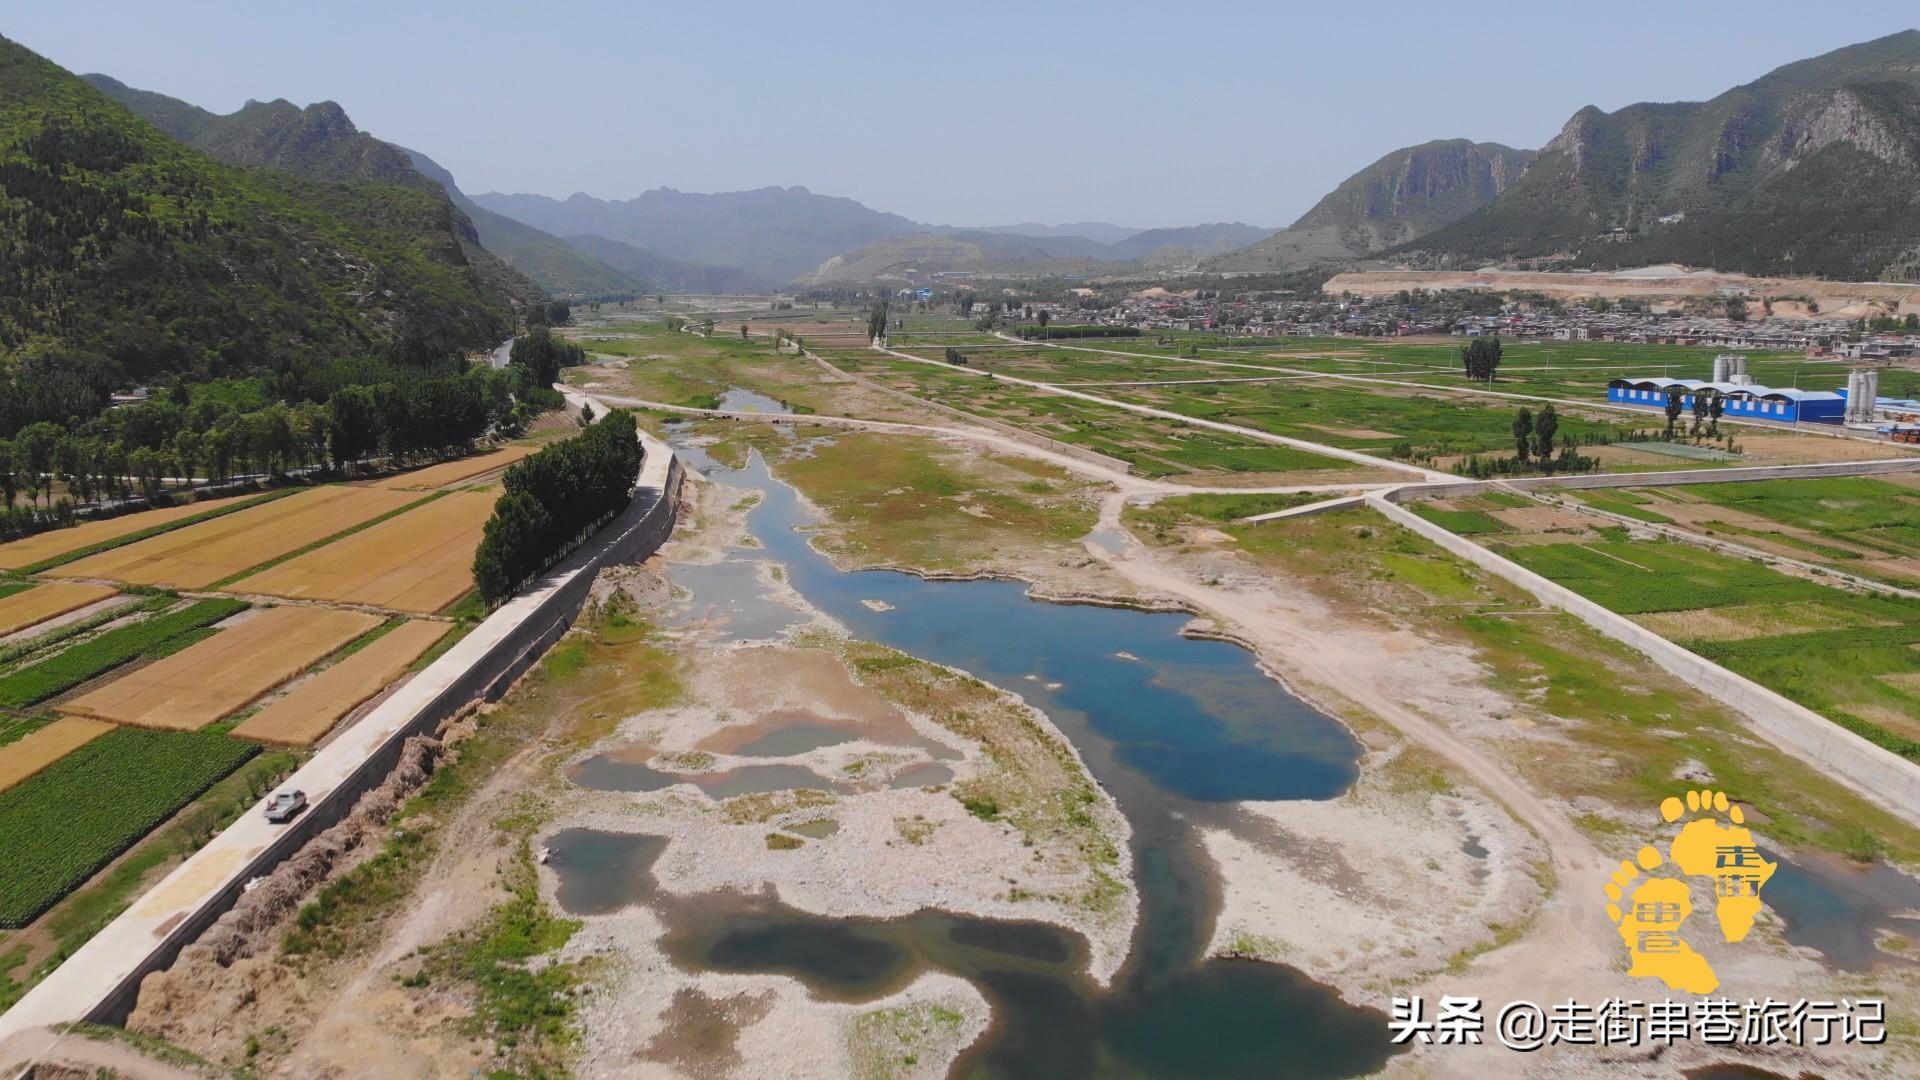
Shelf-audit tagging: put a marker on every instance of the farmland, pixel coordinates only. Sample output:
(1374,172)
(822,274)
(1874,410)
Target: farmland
(418,562)
(181,693)
(37,681)
(59,543)
(64,823)
(1850,657)
(310,709)
(200,555)
(46,745)
(1153,447)
(456,471)
(33,606)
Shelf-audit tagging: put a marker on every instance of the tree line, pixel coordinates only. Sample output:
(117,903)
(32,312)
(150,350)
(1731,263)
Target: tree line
(551,498)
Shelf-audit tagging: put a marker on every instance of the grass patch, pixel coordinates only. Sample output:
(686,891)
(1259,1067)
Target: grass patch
(1462,522)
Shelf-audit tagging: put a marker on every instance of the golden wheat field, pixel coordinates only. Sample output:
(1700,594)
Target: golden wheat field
(199,555)
(57,542)
(43,602)
(38,749)
(309,710)
(206,681)
(452,472)
(418,562)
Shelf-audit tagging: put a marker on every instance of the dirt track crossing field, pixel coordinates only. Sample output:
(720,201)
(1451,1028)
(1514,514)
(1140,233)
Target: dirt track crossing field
(43,602)
(418,562)
(311,709)
(199,555)
(201,684)
(453,472)
(56,542)
(42,748)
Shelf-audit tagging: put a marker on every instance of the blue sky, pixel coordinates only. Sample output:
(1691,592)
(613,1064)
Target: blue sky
(955,113)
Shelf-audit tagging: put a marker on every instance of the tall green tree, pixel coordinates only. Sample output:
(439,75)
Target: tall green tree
(1544,429)
(1523,434)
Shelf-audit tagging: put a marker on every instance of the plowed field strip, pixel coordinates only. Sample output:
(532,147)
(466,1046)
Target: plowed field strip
(199,555)
(310,710)
(419,562)
(57,542)
(204,682)
(452,472)
(43,602)
(39,749)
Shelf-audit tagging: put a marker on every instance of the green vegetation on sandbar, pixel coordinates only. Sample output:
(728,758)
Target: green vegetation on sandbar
(1606,722)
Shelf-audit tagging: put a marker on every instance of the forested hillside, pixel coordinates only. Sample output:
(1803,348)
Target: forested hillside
(126,257)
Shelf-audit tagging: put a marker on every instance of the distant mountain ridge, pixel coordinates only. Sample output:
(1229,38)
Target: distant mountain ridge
(1807,170)
(1402,196)
(320,142)
(1016,254)
(773,233)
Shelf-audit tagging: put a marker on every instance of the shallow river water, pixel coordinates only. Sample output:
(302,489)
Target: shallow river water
(1172,727)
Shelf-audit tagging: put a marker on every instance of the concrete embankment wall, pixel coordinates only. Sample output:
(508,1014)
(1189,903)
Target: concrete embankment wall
(1079,453)
(101,981)
(1891,780)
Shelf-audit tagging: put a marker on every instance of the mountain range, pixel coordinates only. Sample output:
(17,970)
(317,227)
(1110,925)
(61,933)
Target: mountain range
(1399,198)
(127,254)
(1008,254)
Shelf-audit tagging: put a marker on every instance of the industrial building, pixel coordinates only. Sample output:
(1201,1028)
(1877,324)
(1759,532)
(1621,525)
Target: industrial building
(1742,400)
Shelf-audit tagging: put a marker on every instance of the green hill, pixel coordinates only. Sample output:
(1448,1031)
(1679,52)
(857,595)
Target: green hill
(320,142)
(1806,170)
(1404,195)
(132,256)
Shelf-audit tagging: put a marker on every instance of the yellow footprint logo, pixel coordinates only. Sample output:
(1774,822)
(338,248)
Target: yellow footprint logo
(1649,918)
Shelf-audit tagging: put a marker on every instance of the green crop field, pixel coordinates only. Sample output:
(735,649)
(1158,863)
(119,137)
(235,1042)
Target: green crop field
(1857,661)
(1464,522)
(1154,447)
(1871,513)
(64,823)
(67,669)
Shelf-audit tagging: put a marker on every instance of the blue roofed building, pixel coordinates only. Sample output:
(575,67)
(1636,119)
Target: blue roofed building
(1744,401)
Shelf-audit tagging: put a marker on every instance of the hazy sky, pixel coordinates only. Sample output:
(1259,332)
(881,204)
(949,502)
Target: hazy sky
(966,113)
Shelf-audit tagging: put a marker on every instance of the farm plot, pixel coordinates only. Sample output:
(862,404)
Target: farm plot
(58,542)
(199,555)
(63,824)
(418,562)
(1853,658)
(42,602)
(310,709)
(44,746)
(206,681)
(1155,447)
(453,472)
(94,656)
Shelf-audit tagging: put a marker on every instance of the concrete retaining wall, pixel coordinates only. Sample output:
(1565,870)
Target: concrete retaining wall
(101,981)
(1891,780)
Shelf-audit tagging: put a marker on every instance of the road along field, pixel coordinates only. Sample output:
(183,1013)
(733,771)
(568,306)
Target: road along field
(204,682)
(42,602)
(57,542)
(200,555)
(41,748)
(309,710)
(453,472)
(419,561)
